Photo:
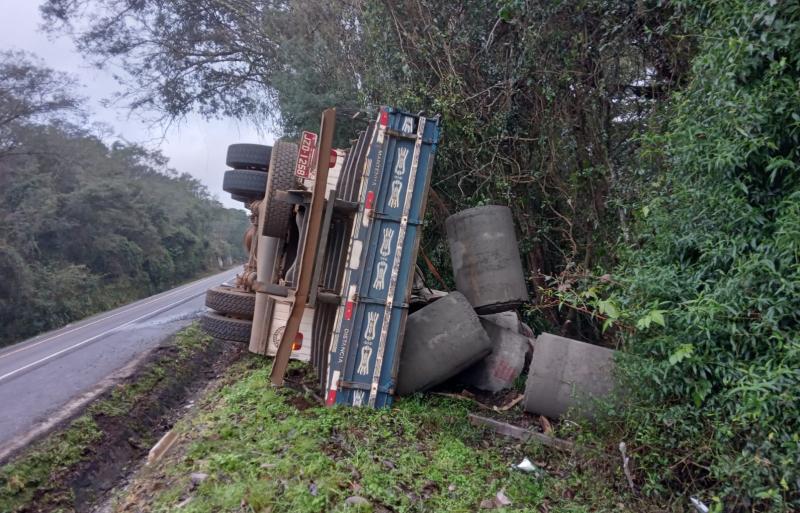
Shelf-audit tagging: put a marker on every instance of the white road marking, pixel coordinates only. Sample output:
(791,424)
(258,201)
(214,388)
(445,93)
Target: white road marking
(84,342)
(125,309)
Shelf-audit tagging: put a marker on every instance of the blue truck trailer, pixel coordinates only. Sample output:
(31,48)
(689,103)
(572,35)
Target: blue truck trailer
(370,320)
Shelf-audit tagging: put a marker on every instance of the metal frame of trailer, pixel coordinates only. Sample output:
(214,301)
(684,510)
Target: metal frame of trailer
(370,320)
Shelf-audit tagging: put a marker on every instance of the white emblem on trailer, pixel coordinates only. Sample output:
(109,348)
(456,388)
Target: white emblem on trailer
(363,365)
(400,168)
(380,275)
(408,124)
(394,199)
(372,324)
(355,255)
(358,397)
(386,244)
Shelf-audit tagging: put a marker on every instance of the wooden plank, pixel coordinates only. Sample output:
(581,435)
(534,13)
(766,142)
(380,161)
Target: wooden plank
(310,245)
(504,428)
(162,446)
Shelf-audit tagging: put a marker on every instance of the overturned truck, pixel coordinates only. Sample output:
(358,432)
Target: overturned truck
(333,247)
(332,275)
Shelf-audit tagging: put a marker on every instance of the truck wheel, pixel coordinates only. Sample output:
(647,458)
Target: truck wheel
(226,328)
(248,156)
(280,178)
(230,301)
(245,182)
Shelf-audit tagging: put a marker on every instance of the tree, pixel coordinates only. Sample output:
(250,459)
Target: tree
(239,58)
(719,257)
(29,93)
(87,226)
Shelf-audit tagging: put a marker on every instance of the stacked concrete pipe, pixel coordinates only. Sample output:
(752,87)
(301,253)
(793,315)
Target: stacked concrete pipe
(485,257)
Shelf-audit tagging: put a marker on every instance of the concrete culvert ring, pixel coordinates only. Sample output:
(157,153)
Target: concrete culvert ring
(248,156)
(245,182)
(230,301)
(226,328)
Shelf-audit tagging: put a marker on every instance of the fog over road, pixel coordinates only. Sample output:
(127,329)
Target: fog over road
(38,377)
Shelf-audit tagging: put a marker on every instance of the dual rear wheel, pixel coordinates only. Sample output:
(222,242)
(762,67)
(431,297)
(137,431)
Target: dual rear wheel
(259,172)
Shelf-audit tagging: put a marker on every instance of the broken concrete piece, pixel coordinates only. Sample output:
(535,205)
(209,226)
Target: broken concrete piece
(507,320)
(566,373)
(355,500)
(525,330)
(504,364)
(441,340)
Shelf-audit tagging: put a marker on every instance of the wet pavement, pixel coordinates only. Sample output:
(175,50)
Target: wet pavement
(39,376)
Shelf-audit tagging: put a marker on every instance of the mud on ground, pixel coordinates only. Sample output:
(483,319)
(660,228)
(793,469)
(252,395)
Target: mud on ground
(125,422)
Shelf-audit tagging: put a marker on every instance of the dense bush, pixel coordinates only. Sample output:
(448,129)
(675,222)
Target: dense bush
(719,254)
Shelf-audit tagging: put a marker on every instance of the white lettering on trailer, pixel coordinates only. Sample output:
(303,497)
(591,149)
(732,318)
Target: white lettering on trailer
(372,324)
(345,341)
(363,365)
(402,155)
(394,199)
(380,275)
(386,244)
(408,124)
(358,397)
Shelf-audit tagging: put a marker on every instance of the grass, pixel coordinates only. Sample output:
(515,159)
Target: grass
(39,478)
(271,450)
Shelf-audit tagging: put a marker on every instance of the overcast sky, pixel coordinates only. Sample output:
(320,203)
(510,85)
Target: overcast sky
(196,146)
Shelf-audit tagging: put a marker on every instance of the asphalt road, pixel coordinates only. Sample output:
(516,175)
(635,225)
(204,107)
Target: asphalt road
(40,376)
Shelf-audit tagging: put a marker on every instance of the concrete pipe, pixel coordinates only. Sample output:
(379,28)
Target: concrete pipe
(441,340)
(485,257)
(566,373)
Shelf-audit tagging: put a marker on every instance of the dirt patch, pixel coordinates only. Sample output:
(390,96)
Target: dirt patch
(130,418)
(128,438)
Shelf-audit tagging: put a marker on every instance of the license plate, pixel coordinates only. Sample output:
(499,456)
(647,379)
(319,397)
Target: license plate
(305,158)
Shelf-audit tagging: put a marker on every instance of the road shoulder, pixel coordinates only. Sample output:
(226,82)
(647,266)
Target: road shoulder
(92,445)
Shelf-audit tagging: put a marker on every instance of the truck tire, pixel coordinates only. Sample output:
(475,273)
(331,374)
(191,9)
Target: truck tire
(280,178)
(248,156)
(230,301)
(245,182)
(226,328)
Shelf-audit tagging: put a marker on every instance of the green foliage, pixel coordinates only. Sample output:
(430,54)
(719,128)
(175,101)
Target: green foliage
(542,103)
(275,450)
(86,227)
(719,254)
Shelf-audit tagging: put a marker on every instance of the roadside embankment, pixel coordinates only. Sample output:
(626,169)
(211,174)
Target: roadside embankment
(81,460)
(251,447)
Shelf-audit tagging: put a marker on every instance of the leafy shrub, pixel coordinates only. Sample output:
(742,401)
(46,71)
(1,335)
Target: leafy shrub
(720,254)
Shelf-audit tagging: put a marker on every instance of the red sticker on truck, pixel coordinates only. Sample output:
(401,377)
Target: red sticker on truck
(305,157)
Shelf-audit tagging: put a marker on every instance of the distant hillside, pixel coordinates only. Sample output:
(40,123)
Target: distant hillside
(85,227)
